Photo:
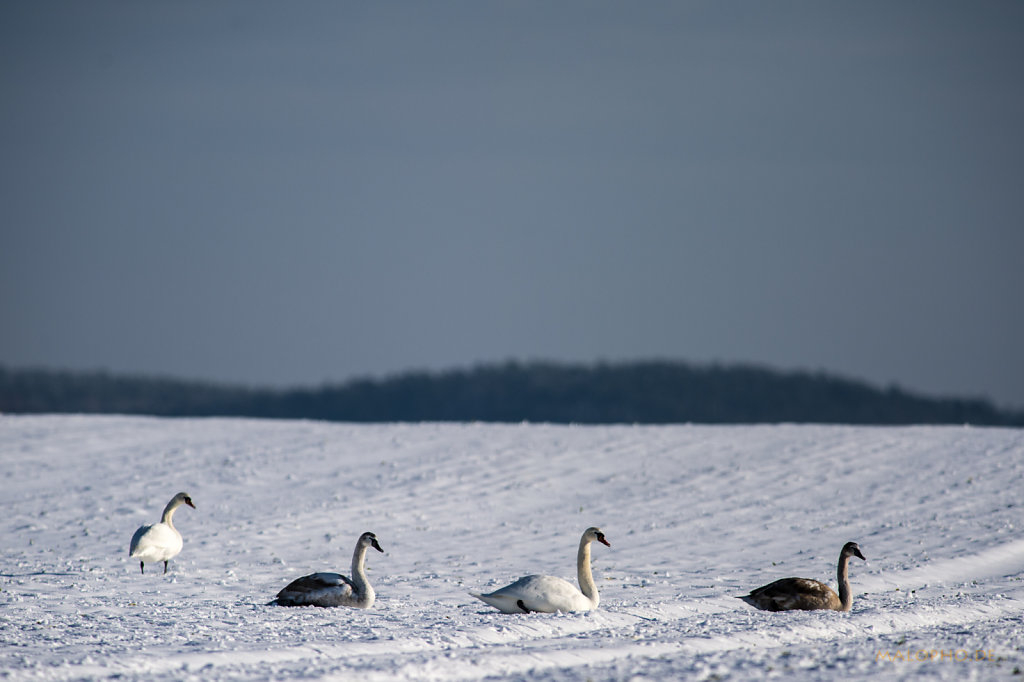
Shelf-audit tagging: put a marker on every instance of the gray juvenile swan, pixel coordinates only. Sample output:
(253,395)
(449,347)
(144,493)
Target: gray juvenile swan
(802,594)
(334,589)
(549,594)
(161,541)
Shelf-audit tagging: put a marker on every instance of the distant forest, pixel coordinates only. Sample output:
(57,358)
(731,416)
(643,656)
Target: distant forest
(638,392)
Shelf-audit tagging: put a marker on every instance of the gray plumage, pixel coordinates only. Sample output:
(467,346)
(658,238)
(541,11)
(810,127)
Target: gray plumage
(334,589)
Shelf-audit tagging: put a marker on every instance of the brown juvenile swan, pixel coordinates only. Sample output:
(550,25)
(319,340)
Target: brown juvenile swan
(802,594)
(334,589)
(160,541)
(548,594)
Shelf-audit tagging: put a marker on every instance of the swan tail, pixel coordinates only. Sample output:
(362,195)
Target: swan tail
(504,603)
(285,601)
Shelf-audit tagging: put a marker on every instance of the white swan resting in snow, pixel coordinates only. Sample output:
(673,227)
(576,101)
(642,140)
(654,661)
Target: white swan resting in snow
(161,541)
(334,589)
(549,594)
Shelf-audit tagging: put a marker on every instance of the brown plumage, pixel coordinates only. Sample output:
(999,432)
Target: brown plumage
(803,594)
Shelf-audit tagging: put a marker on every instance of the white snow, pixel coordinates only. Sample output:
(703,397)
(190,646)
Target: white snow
(695,515)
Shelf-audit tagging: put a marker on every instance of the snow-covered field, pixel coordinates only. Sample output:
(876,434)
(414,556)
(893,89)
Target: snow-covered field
(695,515)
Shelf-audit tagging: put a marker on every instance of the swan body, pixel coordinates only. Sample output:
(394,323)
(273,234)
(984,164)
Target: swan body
(334,589)
(548,594)
(803,594)
(160,541)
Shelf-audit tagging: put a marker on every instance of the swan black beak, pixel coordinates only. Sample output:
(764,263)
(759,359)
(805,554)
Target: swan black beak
(188,501)
(600,538)
(376,545)
(857,553)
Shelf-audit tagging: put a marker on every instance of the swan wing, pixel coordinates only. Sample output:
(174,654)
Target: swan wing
(136,539)
(543,593)
(790,594)
(319,589)
(318,581)
(158,542)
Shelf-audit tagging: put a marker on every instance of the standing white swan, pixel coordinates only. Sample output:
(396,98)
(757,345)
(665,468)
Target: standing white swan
(161,541)
(334,589)
(549,594)
(803,594)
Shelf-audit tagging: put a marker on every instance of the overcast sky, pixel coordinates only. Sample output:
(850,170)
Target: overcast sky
(283,194)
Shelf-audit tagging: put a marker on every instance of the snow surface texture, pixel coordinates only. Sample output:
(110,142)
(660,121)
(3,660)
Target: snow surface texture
(696,515)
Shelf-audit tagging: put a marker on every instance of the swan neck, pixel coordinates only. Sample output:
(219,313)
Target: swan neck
(843,575)
(359,572)
(169,510)
(584,575)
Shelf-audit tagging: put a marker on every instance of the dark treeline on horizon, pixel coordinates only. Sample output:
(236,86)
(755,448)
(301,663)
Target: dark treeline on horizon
(637,392)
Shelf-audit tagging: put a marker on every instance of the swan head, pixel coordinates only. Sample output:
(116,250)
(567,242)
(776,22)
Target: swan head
(851,549)
(594,533)
(184,498)
(368,539)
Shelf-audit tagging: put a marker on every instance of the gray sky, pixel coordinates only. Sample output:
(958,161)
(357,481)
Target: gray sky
(281,193)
